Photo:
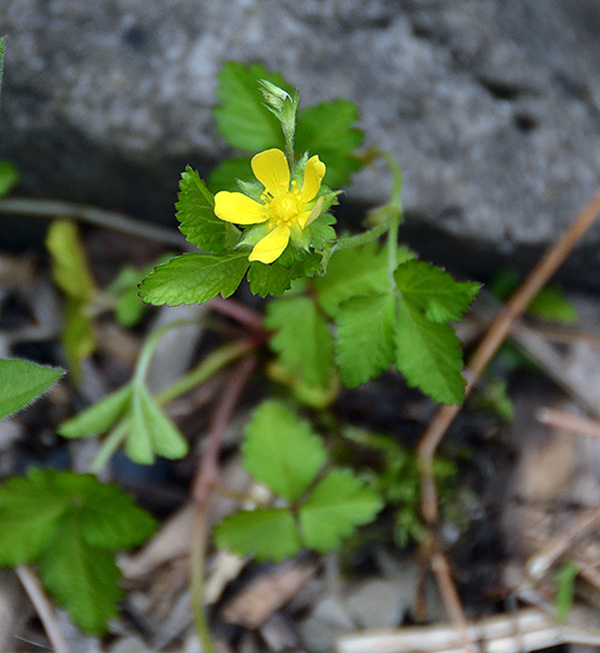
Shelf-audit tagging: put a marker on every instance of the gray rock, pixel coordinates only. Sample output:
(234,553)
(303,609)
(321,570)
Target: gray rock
(490,106)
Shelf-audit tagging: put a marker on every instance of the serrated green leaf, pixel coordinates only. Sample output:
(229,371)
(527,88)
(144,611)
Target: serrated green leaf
(302,339)
(434,291)
(282,451)
(357,271)
(100,417)
(70,268)
(84,578)
(365,344)
(30,512)
(9,176)
(198,222)
(224,176)
(110,519)
(242,119)
(194,278)
(152,432)
(326,130)
(272,279)
(71,524)
(268,534)
(339,504)
(429,355)
(21,382)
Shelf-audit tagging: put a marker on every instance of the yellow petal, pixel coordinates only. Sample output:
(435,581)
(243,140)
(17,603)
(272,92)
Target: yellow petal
(314,172)
(271,246)
(310,216)
(238,208)
(271,169)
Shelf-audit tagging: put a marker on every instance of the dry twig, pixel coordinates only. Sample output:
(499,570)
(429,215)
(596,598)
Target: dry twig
(484,353)
(528,629)
(43,607)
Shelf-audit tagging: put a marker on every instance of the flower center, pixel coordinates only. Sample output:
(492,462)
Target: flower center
(285,209)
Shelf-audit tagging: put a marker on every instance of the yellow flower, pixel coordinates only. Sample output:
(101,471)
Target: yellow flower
(285,210)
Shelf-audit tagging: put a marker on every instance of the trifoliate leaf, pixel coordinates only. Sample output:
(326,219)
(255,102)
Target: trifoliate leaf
(21,382)
(152,432)
(434,291)
(356,271)
(282,451)
(195,212)
(268,534)
(339,504)
(242,119)
(326,130)
(224,176)
(365,344)
(194,278)
(273,279)
(70,268)
(429,355)
(9,176)
(100,417)
(84,578)
(302,339)
(71,525)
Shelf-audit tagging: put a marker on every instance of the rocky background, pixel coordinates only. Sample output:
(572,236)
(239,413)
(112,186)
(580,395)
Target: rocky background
(490,106)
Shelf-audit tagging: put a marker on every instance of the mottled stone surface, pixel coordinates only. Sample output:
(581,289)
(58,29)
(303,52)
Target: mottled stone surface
(491,106)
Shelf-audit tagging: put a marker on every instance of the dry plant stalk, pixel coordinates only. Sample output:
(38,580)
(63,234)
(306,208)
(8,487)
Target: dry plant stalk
(497,333)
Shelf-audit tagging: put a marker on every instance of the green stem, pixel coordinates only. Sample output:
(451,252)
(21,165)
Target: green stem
(203,371)
(347,242)
(108,447)
(197,570)
(150,345)
(199,374)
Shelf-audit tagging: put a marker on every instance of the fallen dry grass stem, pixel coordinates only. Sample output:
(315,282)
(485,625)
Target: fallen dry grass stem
(43,608)
(495,336)
(528,629)
(565,420)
